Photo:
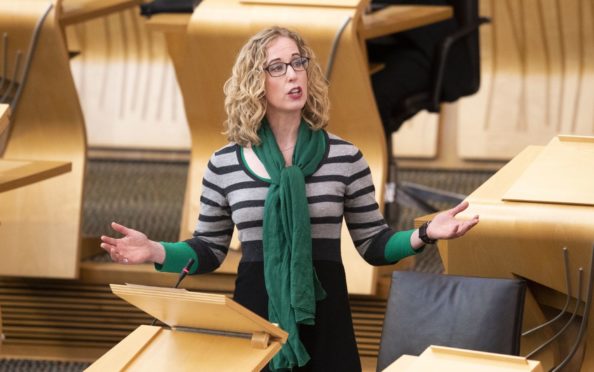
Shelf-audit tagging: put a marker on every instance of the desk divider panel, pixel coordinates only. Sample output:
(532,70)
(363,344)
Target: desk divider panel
(40,223)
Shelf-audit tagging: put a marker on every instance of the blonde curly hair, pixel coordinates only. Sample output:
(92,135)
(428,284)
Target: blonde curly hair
(245,96)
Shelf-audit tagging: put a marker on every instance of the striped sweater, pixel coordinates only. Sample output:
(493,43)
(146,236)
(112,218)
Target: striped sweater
(234,196)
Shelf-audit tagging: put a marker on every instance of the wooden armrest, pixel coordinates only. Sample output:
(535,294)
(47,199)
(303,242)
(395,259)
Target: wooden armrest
(169,22)
(75,11)
(397,18)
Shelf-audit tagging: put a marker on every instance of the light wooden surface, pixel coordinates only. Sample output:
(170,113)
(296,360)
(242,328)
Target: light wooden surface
(126,84)
(155,349)
(397,18)
(188,345)
(42,219)
(537,77)
(526,239)
(75,11)
(447,359)
(4,117)
(19,173)
(559,173)
(182,308)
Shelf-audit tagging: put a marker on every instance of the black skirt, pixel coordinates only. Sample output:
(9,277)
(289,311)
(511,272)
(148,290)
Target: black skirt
(331,341)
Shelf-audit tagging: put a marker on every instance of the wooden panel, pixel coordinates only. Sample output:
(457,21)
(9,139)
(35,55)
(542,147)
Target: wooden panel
(537,77)
(126,83)
(178,307)
(43,219)
(417,137)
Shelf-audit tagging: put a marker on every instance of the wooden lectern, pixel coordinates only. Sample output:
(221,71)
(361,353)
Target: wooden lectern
(540,202)
(209,332)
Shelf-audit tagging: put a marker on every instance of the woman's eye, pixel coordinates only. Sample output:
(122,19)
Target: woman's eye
(277,67)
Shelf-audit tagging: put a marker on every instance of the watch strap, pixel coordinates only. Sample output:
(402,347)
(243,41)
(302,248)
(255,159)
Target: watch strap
(423,234)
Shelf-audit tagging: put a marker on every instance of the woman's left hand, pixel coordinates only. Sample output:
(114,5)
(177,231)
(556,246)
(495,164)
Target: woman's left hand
(446,226)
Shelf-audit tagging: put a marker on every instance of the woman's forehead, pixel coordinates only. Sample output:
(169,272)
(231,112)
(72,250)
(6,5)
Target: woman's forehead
(280,47)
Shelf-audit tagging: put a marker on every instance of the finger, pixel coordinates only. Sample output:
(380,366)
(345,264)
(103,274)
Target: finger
(107,247)
(459,208)
(121,228)
(108,240)
(467,226)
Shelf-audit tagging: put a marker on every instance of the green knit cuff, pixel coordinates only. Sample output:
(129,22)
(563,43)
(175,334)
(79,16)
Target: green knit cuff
(177,256)
(398,246)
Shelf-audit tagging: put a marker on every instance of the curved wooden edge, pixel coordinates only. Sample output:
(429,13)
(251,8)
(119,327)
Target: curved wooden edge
(4,117)
(40,230)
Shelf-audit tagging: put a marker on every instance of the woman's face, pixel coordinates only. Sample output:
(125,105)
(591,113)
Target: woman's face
(285,94)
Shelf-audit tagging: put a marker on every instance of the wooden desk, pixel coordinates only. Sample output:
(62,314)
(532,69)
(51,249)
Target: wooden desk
(524,238)
(398,18)
(391,19)
(75,11)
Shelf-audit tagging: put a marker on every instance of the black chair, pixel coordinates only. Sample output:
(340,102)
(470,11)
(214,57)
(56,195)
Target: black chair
(425,67)
(426,309)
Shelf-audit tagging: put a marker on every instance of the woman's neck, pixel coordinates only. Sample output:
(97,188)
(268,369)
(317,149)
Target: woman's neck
(285,129)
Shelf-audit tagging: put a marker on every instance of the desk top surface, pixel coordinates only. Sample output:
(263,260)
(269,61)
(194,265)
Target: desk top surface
(19,173)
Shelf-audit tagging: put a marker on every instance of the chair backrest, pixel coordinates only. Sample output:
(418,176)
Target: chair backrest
(461,67)
(425,309)
(447,52)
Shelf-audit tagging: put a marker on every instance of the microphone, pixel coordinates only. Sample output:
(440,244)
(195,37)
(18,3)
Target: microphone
(181,277)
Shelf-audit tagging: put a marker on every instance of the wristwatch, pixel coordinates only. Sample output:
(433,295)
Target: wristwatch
(423,234)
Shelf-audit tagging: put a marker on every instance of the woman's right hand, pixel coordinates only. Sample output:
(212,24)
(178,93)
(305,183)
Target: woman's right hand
(133,248)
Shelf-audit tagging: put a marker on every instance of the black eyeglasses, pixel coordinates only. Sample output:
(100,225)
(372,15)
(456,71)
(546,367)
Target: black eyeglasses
(280,68)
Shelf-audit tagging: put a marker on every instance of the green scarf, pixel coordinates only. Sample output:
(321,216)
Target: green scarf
(291,282)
